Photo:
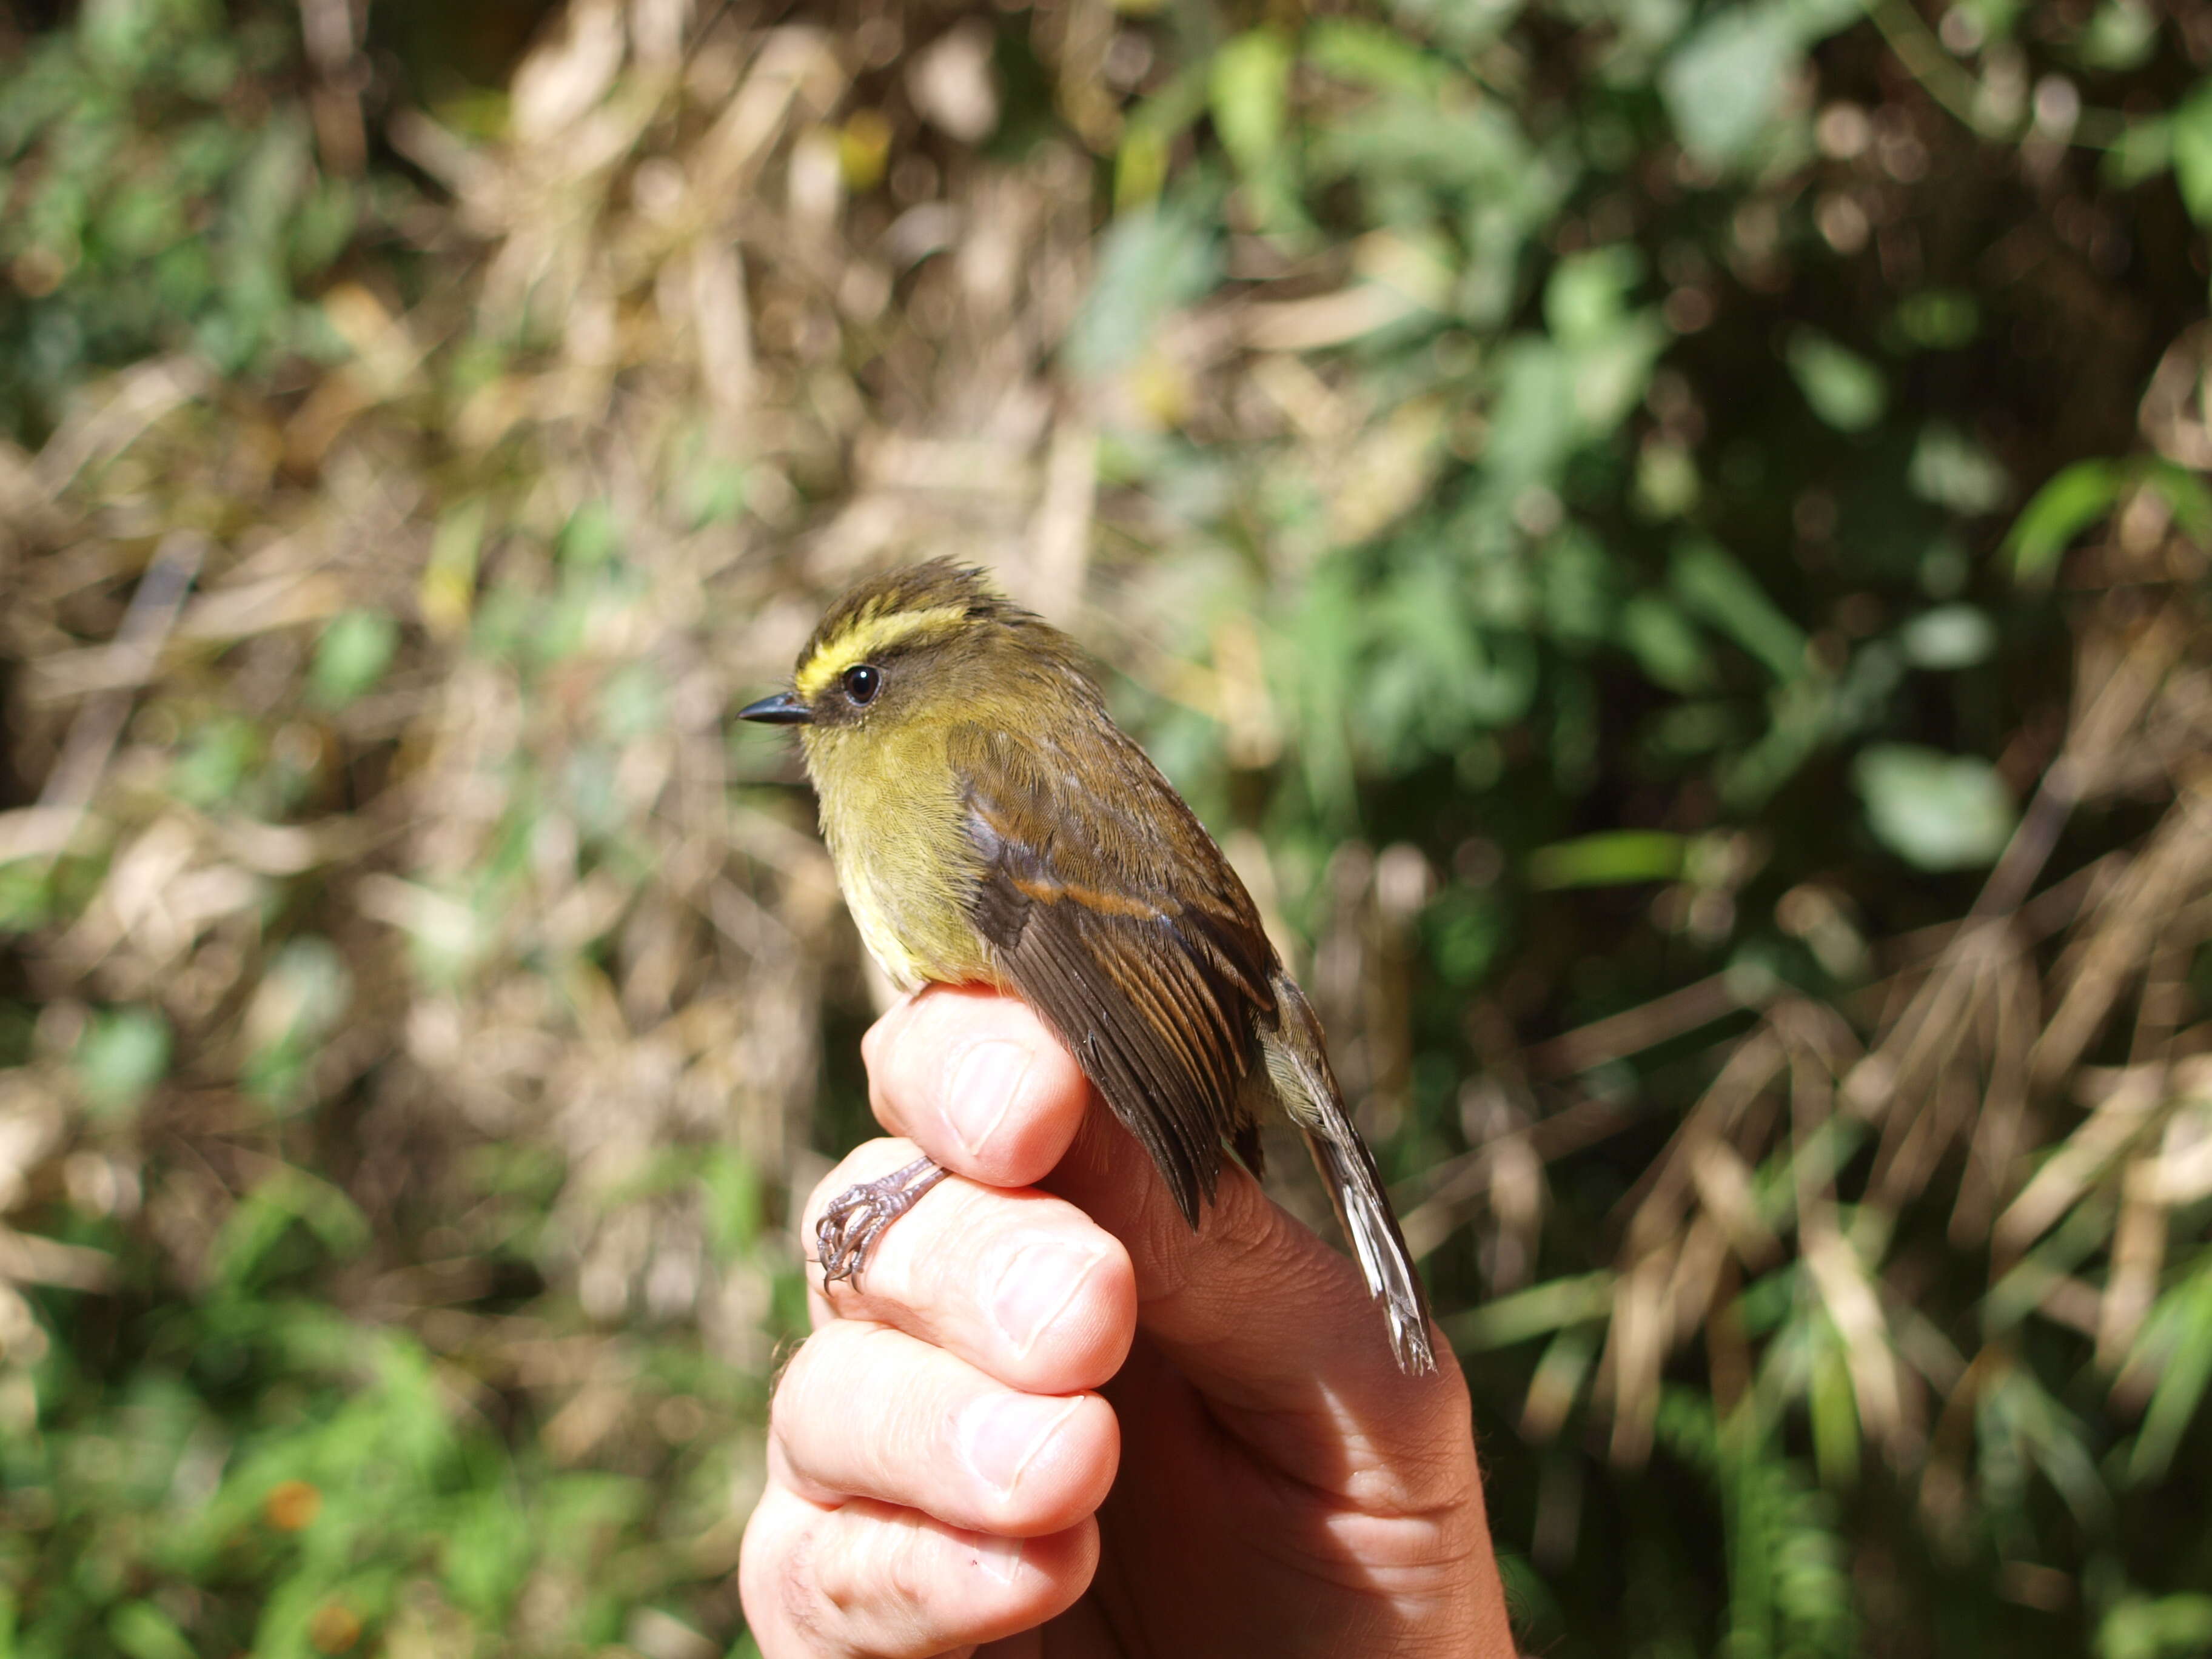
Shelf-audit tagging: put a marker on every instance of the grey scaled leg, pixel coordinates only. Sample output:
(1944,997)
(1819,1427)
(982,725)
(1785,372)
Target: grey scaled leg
(862,1213)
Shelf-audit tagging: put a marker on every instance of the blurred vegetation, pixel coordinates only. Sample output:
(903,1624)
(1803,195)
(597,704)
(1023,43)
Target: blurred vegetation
(1669,540)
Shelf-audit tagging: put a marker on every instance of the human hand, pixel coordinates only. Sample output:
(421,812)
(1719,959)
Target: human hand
(1054,1418)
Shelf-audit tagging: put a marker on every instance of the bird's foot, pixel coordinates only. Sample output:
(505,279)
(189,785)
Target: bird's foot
(862,1213)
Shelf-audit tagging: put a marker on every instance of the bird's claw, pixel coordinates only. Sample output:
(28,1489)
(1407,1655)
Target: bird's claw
(862,1213)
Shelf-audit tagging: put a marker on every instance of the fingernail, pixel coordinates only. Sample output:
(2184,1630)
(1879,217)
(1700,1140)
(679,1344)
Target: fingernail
(1002,1434)
(1034,1288)
(1002,1558)
(989,1076)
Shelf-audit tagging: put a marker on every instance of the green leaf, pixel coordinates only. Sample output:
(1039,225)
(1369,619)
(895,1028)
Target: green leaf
(447,590)
(1141,165)
(1250,93)
(1612,859)
(1536,1311)
(263,1217)
(2121,35)
(1535,427)
(217,759)
(1725,82)
(591,535)
(2184,492)
(2142,150)
(2075,498)
(731,1198)
(144,1631)
(1575,581)
(2081,495)
(2021,1425)
(1667,482)
(2162,1627)
(2181,1327)
(306,989)
(1697,728)
(1844,389)
(120,1058)
(1151,262)
(1441,142)
(1588,295)
(2189,132)
(1465,931)
(352,656)
(1613,374)
(1376,57)
(1936,811)
(1951,637)
(634,702)
(1953,470)
(714,490)
(1712,585)
(1664,644)
(487,1553)
(1938,319)
(1832,1406)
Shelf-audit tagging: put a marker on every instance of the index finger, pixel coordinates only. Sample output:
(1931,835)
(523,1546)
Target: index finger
(978,1081)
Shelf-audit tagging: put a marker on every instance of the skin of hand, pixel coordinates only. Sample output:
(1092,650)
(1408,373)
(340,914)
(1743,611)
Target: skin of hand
(1053,1422)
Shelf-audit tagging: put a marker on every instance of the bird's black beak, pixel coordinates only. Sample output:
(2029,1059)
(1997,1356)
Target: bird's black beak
(784,708)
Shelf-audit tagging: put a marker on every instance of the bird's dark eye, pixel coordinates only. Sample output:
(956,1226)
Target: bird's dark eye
(862,681)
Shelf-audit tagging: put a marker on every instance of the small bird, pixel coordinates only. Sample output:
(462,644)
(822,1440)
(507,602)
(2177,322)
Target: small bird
(990,824)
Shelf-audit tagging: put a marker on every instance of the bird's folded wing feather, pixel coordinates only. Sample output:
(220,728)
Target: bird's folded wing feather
(1116,917)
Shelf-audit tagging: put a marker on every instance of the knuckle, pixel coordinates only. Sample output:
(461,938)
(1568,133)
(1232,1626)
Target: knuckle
(908,1571)
(874,1580)
(810,1605)
(778,1579)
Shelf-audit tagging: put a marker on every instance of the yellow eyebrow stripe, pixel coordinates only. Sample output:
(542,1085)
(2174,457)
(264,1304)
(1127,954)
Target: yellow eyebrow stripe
(866,638)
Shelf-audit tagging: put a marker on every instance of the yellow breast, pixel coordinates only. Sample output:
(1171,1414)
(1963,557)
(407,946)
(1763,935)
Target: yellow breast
(893,819)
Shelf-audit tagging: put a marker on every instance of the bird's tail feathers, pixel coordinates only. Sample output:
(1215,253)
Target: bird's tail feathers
(1298,1065)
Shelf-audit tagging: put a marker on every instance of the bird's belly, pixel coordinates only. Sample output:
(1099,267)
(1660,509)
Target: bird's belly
(913,922)
(881,931)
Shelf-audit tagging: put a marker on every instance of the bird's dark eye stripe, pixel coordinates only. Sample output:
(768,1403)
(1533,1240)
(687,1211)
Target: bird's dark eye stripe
(862,681)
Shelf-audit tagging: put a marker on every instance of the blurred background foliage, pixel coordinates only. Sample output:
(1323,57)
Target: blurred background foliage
(1669,540)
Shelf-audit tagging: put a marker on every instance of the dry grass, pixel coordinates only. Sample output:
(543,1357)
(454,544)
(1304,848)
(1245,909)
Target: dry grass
(1957,1094)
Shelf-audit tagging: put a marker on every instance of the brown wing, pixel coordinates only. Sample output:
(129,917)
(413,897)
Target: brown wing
(1116,917)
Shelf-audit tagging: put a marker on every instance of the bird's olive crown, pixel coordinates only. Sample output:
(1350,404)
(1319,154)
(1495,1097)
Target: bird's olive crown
(946,616)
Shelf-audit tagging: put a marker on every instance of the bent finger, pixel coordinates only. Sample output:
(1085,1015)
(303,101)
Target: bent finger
(978,1081)
(863,1411)
(870,1579)
(1025,1286)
